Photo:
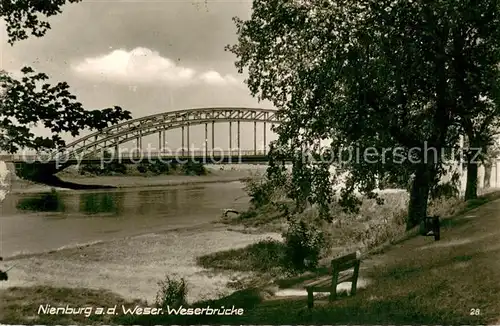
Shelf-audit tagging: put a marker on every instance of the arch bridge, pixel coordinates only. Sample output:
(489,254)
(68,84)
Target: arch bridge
(135,129)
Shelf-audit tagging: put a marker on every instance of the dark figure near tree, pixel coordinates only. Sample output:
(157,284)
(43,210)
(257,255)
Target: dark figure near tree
(3,275)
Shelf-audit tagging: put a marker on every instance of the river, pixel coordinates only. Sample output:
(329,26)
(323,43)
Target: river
(89,216)
(123,240)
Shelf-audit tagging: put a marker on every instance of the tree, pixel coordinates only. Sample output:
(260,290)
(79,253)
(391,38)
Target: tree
(29,101)
(22,17)
(485,153)
(476,59)
(370,74)
(492,153)
(481,149)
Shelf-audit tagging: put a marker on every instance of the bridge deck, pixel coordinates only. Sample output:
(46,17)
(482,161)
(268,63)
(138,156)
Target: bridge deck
(180,156)
(215,159)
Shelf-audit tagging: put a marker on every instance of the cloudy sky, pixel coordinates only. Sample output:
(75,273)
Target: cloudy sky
(145,56)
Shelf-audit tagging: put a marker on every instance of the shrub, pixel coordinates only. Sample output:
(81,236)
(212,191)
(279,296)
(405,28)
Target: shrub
(161,167)
(108,169)
(445,190)
(194,168)
(251,213)
(116,168)
(155,167)
(303,244)
(172,293)
(259,190)
(394,181)
(142,168)
(93,169)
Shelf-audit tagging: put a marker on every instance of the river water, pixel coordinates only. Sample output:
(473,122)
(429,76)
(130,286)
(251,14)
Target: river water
(81,217)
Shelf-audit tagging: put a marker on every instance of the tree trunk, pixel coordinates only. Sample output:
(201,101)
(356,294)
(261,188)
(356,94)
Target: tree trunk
(419,196)
(487,174)
(471,187)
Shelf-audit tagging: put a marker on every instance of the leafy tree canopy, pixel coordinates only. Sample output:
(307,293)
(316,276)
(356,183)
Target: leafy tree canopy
(22,17)
(384,74)
(32,102)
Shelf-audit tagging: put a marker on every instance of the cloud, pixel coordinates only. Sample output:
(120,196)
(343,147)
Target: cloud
(142,65)
(213,77)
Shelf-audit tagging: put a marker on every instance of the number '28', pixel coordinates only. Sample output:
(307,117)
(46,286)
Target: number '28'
(475,312)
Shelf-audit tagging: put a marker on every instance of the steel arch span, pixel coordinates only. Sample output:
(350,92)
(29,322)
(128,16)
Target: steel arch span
(144,126)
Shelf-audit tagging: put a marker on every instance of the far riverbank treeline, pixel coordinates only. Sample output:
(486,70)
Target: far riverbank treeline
(145,168)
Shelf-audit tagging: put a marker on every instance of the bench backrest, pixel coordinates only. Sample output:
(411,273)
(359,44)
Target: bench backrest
(345,262)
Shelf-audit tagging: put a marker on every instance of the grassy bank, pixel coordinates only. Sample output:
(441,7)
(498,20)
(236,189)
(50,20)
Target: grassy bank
(374,228)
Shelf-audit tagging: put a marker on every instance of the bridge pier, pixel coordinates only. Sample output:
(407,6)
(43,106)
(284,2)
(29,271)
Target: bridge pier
(265,142)
(255,137)
(138,143)
(230,137)
(159,141)
(206,141)
(213,136)
(188,141)
(239,142)
(164,142)
(182,146)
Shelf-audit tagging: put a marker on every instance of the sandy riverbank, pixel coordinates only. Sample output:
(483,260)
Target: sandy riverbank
(131,267)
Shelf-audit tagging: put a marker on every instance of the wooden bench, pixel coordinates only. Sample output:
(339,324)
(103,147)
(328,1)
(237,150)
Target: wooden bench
(338,265)
(431,226)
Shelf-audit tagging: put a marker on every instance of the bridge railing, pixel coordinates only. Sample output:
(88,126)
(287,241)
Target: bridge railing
(112,155)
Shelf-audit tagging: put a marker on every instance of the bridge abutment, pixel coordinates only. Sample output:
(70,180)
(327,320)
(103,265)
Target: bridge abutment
(6,178)
(45,173)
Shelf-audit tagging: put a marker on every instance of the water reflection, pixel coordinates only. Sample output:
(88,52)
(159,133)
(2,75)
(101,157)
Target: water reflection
(44,202)
(104,202)
(138,203)
(170,202)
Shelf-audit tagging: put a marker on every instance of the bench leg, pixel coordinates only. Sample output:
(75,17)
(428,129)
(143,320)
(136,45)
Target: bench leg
(310,299)
(437,227)
(333,293)
(355,276)
(353,287)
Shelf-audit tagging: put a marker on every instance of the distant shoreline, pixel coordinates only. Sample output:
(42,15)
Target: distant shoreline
(36,188)
(20,186)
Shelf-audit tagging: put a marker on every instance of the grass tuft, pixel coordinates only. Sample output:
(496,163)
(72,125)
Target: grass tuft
(266,256)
